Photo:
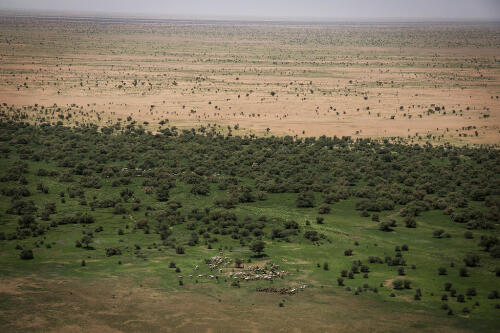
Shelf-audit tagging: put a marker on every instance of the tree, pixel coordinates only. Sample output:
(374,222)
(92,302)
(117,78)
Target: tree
(163,193)
(200,189)
(238,262)
(86,241)
(305,200)
(258,247)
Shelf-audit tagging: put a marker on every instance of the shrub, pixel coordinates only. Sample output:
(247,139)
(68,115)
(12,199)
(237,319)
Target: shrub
(340,281)
(26,255)
(468,235)
(495,252)
(305,200)
(179,249)
(410,222)
(438,233)
(348,252)
(398,284)
(113,251)
(471,260)
(463,272)
(471,292)
(442,271)
(119,209)
(163,193)
(200,189)
(493,294)
(324,209)
(385,226)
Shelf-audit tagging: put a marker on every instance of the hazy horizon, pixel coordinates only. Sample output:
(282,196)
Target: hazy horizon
(292,9)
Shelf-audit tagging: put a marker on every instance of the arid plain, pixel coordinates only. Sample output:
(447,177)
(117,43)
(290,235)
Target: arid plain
(422,82)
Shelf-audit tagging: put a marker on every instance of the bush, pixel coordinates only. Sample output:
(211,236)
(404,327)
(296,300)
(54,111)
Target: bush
(305,200)
(410,222)
(324,209)
(471,292)
(398,284)
(442,271)
(493,294)
(26,255)
(119,209)
(113,251)
(163,193)
(495,252)
(471,260)
(438,233)
(200,189)
(179,249)
(386,226)
(463,272)
(348,252)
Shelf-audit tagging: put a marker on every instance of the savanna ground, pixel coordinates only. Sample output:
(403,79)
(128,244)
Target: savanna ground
(422,81)
(122,186)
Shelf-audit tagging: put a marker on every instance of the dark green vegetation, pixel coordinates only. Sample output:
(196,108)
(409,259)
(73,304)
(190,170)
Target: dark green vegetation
(414,225)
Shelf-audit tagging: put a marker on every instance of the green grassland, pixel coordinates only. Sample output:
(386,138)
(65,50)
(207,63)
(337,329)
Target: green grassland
(207,194)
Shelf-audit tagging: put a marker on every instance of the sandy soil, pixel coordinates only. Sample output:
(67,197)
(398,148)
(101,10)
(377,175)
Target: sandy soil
(365,81)
(116,306)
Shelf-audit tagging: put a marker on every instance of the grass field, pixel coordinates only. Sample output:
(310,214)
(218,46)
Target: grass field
(80,170)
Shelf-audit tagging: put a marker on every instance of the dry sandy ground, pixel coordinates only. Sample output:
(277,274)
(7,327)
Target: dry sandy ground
(60,305)
(352,80)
